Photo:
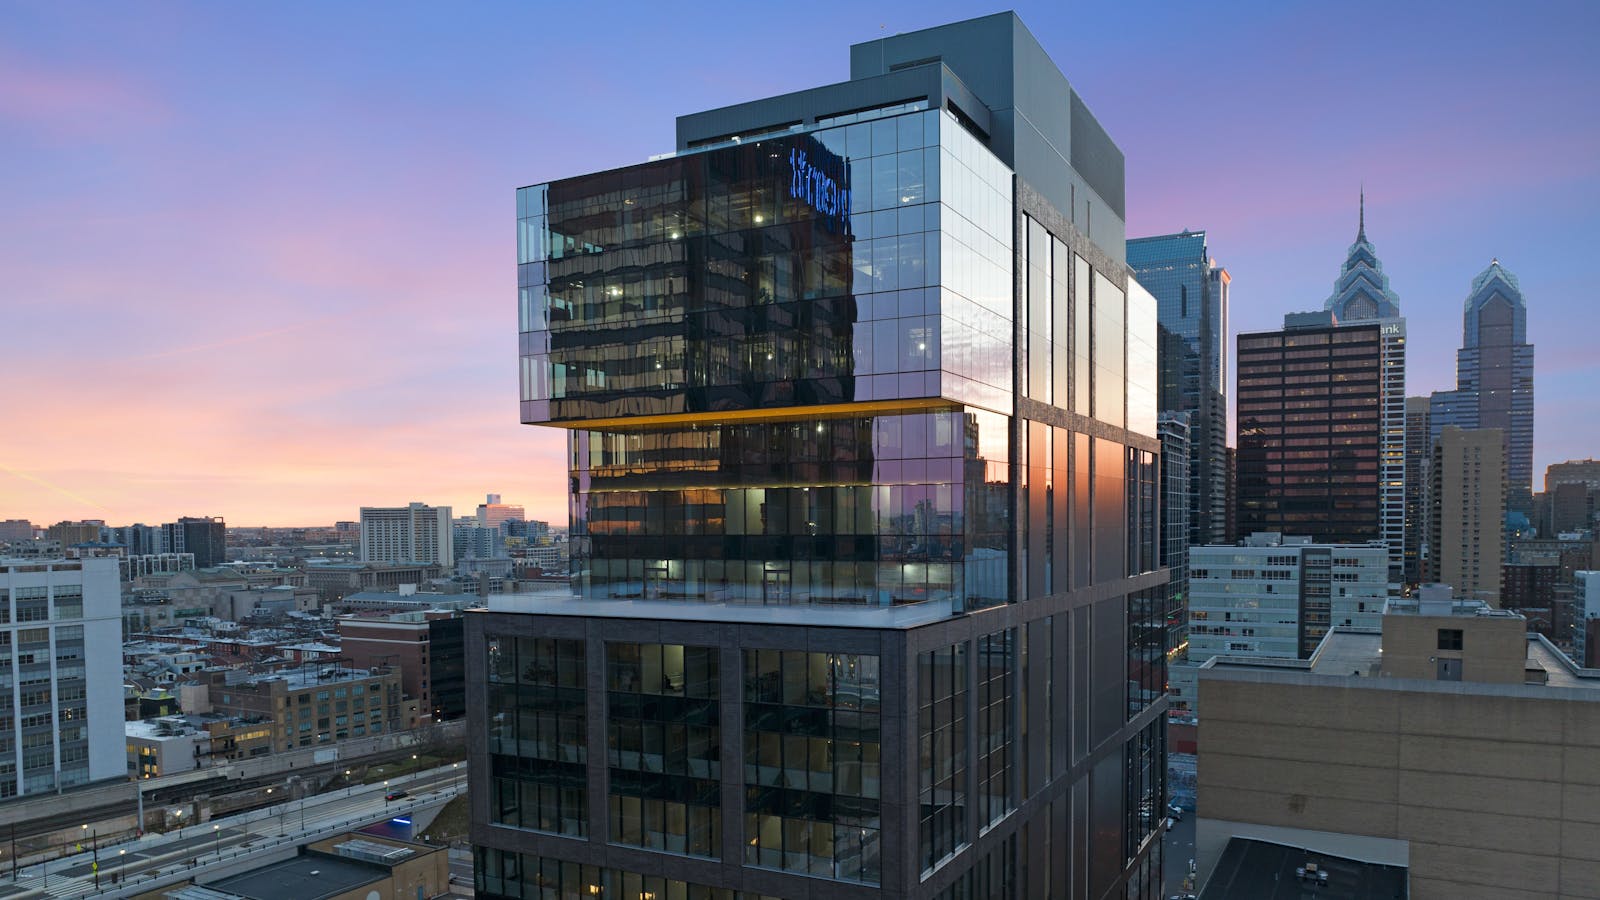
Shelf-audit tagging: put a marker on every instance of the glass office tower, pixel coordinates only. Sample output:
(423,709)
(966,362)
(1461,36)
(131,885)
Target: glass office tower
(1191,291)
(1494,377)
(862,445)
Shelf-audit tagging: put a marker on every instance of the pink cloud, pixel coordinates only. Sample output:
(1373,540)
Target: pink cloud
(73,104)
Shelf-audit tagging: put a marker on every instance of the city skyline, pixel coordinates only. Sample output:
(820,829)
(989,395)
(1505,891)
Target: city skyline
(279,239)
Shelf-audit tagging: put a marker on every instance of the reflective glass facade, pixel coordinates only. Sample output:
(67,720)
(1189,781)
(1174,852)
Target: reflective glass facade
(804,399)
(537,745)
(813,764)
(1191,293)
(862,430)
(1494,377)
(662,739)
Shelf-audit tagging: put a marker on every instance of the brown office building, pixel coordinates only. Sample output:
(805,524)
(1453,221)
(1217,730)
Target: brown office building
(311,705)
(427,649)
(1310,430)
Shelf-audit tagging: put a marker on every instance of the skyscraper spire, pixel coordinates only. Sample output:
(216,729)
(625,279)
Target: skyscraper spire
(1362,290)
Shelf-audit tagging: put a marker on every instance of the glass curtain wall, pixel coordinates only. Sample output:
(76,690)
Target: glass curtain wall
(813,763)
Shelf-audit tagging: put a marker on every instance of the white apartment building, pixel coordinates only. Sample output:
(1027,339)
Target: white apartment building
(60,674)
(416,533)
(1276,596)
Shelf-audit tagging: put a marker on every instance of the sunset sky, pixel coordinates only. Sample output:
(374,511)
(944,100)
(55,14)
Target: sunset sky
(258,260)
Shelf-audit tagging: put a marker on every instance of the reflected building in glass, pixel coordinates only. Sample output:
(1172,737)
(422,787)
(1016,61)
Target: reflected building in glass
(861,413)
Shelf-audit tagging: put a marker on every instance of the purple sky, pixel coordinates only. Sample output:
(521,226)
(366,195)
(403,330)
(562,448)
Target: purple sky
(259,259)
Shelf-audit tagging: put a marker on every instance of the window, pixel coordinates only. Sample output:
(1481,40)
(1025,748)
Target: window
(1449,639)
(662,747)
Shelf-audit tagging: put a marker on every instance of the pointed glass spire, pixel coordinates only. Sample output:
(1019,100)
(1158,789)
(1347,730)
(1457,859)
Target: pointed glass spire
(1362,290)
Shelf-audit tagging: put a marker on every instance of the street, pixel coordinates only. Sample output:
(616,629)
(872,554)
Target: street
(1177,851)
(164,853)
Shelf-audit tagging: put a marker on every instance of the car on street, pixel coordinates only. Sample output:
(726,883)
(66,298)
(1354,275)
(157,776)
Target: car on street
(395,795)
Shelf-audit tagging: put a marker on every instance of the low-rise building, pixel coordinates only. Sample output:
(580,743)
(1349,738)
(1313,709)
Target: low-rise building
(313,704)
(336,580)
(165,746)
(427,647)
(355,866)
(145,564)
(1275,596)
(1448,741)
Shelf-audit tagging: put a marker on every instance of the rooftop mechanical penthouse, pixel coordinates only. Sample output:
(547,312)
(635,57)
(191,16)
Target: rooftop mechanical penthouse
(861,414)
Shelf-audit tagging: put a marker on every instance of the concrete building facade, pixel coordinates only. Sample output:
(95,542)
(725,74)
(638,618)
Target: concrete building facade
(1275,596)
(1451,743)
(416,533)
(61,709)
(1466,521)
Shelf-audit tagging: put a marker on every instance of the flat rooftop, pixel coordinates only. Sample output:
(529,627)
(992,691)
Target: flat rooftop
(306,678)
(1348,653)
(1258,870)
(305,877)
(911,615)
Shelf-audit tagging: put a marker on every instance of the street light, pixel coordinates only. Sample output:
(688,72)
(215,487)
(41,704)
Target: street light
(122,862)
(94,843)
(217,830)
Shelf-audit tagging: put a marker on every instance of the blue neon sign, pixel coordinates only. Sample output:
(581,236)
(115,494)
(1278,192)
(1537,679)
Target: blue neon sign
(811,183)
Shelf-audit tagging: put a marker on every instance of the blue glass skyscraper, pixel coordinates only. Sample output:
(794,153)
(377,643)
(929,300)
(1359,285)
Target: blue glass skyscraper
(1494,377)
(1191,294)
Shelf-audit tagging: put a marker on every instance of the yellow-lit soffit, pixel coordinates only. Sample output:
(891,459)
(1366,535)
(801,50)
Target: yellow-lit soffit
(765,414)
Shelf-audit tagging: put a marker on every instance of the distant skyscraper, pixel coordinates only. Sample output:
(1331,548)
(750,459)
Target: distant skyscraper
(1494,377)
(473,541)
(16,530)
(1467,539)
(1361,293)
(492,513)
(1173,430)
(137,540)
(1418,456)
(1313,446)
(417,533)
(1191,294)
(69,533)
(1232,472)
(1572,494)
(206,537)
